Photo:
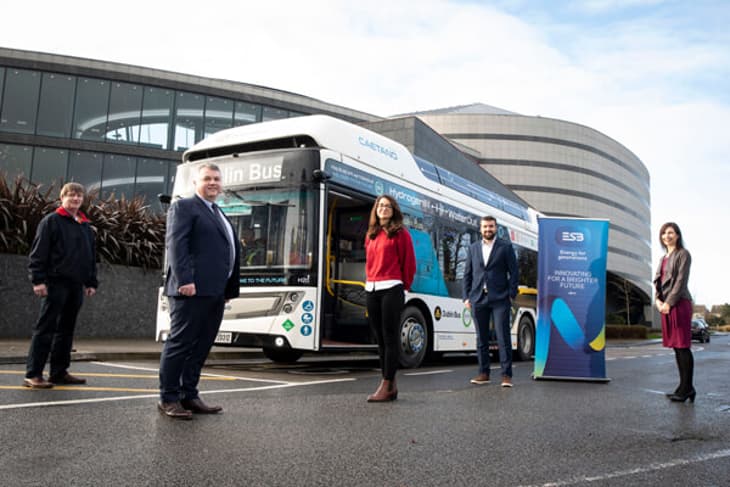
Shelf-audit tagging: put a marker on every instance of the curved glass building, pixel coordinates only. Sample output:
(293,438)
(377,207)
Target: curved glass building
(566,169)
(120,129)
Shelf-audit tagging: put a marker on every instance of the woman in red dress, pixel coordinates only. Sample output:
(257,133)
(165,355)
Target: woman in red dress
(674,302)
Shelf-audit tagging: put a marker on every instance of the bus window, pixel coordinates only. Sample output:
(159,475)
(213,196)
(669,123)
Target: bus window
(275,227)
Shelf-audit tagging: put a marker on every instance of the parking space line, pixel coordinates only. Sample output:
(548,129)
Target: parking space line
(156,395)
(679,462)
(121,376)
(81,388)
(202,376)
(429,372)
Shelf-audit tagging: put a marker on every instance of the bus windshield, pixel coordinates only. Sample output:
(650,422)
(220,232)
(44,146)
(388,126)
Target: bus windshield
(275,226)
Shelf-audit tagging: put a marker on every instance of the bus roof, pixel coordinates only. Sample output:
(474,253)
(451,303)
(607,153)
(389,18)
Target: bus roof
(328,132)
(334,134)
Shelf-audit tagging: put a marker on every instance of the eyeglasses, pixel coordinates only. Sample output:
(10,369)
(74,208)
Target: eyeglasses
(384,205)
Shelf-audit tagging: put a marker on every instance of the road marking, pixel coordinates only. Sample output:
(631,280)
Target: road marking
(156,395)
(229,377)
(430,372)
(80,388)
(653,467)
(654,391)
(123,376)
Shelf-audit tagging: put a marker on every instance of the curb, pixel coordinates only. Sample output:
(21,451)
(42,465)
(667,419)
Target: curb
(641,343)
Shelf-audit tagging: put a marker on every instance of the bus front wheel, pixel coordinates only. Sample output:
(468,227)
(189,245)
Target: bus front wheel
(525,338)
(413,338)
(282,355)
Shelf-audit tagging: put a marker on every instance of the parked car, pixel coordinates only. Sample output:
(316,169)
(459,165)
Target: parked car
(700,330)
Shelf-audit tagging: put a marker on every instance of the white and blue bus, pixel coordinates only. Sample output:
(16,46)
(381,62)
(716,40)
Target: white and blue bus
(299,192)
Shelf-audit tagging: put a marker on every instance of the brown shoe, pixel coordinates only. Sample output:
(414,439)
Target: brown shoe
(37,383)
(386,391)
(480,379)
(506,381)
(197,406)
(67,379)
(174,410)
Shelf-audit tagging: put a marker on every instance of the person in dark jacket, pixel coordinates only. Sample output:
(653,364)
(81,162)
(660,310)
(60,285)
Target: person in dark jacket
(674,302)
(62,269)
(203,269)
(490,284)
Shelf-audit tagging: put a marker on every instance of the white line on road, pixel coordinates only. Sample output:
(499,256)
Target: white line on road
(152,369)
(430,372)
(147,396)
(653,467)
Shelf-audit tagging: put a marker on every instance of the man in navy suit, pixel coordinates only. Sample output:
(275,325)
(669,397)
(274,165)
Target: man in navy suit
(202,273)
(490,285)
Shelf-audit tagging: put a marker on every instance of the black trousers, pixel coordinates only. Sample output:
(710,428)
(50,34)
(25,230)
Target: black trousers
(194,325)
(53,333)
(384,309)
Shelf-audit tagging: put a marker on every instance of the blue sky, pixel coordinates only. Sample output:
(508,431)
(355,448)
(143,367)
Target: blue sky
(649,73)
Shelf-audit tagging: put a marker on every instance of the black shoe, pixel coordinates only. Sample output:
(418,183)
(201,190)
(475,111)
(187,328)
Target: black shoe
(67,379)
(683,397)
(670,394)
(174,410)
(197,406)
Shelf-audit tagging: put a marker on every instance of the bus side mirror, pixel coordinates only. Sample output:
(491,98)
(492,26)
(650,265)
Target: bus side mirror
(319,176)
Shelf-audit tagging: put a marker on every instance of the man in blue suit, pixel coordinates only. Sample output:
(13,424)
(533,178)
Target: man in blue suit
(202,273)
(490,285)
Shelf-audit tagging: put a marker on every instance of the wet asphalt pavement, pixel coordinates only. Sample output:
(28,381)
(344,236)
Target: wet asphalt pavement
(309,424)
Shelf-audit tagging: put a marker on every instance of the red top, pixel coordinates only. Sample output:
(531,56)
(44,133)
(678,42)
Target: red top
(80,217)
(390,258)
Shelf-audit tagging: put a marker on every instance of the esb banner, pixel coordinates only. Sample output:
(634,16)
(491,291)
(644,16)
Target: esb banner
(571,301)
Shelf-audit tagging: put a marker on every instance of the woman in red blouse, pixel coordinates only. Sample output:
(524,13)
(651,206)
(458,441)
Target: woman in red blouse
(674,302)
(389,270)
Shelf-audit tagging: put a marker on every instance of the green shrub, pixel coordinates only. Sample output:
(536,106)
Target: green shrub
(127,232)
(626,332)
(616,318)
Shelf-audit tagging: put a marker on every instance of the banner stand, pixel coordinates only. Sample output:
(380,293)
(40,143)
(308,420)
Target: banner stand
(570,336)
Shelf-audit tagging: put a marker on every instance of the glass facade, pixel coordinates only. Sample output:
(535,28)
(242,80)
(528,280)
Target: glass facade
(15,160)
(49,166)
(125,109)
(113,113)
(20,101)
(56,105)
(156,118)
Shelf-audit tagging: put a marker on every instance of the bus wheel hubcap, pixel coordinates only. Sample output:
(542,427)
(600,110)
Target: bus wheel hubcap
(414,336)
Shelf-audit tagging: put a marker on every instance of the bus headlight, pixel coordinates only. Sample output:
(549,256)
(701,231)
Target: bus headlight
(279,342)
(290,301)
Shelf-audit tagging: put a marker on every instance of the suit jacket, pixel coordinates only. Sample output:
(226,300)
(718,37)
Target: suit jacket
(198,251)
(500,274)
(672,286)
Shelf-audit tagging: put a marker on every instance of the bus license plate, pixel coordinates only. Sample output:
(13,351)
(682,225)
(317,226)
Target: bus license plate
(224,337)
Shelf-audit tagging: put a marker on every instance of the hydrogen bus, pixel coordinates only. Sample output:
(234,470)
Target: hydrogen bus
(299,192)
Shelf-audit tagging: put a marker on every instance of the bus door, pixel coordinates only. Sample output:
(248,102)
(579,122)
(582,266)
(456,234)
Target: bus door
(345,318)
